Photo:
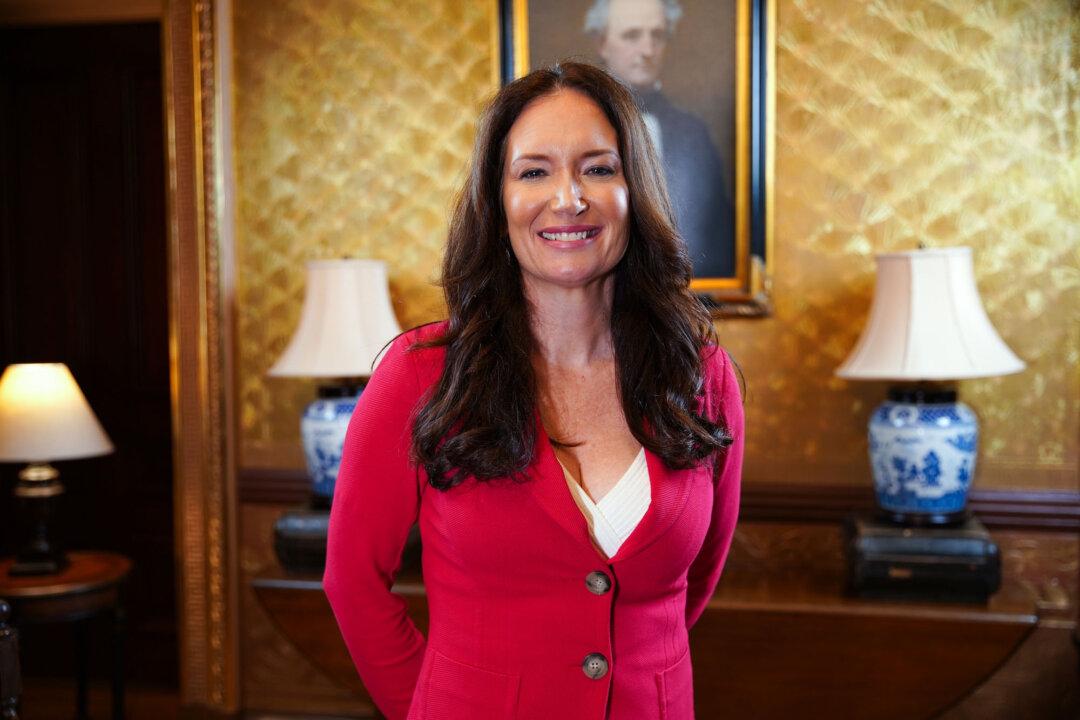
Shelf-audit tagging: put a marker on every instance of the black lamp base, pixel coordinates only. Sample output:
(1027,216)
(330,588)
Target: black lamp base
(948,564)
(37,492)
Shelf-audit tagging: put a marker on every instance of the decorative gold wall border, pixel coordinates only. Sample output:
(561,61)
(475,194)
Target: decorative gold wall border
(199,355)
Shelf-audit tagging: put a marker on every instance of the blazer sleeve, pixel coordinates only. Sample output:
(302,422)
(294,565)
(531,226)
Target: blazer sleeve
(705,571)
(376,501)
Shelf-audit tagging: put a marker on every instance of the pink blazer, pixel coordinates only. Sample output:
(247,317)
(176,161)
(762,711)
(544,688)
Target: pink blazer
(527,619)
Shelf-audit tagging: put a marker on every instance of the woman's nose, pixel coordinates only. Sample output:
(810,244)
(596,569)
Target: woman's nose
(568,196)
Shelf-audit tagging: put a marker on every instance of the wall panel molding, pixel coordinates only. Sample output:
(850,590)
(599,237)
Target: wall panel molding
(1012,509)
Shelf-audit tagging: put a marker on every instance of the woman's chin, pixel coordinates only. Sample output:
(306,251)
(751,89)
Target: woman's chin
(569,278)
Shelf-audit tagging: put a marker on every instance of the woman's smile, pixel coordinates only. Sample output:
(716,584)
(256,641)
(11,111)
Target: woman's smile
(569,237)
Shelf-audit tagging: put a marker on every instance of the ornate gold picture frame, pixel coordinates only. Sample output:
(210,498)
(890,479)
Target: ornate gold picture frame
(709,106)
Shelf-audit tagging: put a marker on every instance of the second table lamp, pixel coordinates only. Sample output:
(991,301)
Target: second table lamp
(926,325)
(345,322)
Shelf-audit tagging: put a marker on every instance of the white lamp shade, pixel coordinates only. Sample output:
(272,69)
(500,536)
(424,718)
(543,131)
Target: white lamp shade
(44,416)
(345,321)
(927,322)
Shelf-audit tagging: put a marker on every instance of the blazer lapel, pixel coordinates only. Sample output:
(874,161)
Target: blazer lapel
(548,486)
(669,491)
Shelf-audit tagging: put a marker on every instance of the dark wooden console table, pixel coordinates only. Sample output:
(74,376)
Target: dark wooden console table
(778,640)
(89,586)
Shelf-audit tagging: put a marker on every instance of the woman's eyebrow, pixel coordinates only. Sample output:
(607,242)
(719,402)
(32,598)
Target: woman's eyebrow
(547,158)
(602,151)
(531,156)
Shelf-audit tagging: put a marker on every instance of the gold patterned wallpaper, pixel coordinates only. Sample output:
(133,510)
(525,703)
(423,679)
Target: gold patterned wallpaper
(898,121)
(354,121)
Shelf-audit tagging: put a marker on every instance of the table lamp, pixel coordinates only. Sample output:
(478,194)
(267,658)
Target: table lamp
(345,322)
(927,325)
(44,417)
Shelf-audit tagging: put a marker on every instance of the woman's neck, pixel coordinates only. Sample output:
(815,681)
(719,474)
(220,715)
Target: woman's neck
(572,326)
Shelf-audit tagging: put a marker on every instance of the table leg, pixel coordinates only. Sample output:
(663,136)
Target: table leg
(10,677)
(119,630)
(82,661)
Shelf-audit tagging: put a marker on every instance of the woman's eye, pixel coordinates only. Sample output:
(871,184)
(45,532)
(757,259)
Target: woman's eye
(602,170)
(531,173)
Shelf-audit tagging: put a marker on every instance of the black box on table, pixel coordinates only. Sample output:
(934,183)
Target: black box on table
(951,564)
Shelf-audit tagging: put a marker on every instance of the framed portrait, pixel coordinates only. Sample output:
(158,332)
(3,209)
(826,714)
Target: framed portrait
(702,72)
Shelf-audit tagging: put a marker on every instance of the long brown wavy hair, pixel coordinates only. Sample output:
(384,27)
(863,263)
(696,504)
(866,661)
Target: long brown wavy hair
(480,418)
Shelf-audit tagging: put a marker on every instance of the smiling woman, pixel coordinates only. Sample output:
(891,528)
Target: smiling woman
(570,440)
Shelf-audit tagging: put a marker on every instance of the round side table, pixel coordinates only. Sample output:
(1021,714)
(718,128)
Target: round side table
(90,585)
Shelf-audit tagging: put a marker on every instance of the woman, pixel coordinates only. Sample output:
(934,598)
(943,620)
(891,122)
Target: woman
(570,439)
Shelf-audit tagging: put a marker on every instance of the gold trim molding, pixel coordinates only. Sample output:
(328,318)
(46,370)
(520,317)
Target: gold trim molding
(199,353)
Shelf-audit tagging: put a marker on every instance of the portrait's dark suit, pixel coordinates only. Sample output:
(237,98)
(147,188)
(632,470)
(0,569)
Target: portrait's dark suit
(695,176)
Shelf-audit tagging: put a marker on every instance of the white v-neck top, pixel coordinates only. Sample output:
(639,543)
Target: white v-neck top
(620,510)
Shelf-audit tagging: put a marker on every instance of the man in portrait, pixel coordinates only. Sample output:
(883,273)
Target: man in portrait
(631,37)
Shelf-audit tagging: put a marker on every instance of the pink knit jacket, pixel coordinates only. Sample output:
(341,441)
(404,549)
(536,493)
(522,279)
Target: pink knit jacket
(512,616)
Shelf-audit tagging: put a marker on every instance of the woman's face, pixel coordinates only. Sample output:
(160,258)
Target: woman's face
(564,192)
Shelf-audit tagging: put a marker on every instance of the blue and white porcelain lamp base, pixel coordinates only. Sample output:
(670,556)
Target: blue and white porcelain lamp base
(322,429)
(922,449)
